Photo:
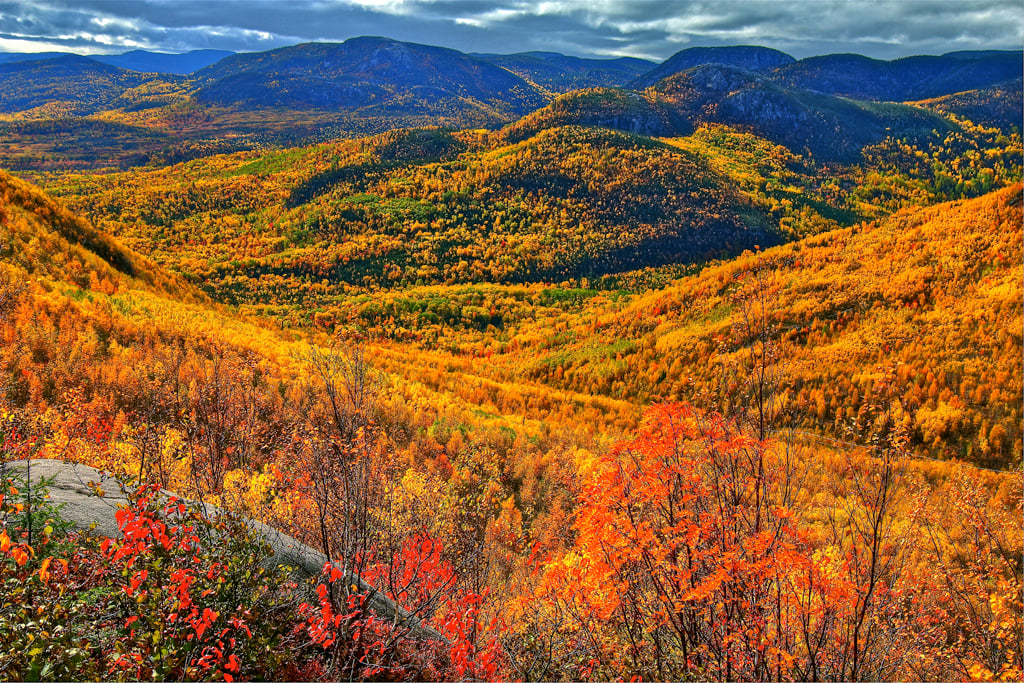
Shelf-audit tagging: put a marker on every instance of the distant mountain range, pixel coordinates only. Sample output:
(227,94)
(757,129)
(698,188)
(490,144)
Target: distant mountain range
(136,60)
(398,64)
(830,105)
(910,78)
(71,84)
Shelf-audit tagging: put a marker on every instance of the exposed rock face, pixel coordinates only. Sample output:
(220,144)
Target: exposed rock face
(72,488)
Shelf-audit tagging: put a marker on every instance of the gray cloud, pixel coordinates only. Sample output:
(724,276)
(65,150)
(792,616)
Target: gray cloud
(643,28)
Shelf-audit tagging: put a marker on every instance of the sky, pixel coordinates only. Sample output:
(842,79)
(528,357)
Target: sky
(652,29)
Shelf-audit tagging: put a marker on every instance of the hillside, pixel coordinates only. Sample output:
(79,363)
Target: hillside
(1000,106)
(931,295)
(46,240)
(73,85)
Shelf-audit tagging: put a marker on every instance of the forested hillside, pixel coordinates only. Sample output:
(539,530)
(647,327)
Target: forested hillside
(930,295)
(562,368)
(494,521)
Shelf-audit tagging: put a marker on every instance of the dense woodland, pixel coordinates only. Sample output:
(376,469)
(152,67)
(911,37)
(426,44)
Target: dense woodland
(684,401)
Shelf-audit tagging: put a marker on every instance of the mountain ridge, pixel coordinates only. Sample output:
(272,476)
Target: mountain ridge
(316,91)
(144,61)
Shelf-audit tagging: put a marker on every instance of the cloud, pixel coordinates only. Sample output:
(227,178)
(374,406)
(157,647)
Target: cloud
(645,28)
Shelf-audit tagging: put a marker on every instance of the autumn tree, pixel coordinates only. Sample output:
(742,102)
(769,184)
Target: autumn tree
(680,551)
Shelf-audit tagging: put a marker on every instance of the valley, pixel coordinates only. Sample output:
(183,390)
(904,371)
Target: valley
(700,369)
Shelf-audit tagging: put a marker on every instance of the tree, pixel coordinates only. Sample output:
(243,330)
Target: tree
(681,553)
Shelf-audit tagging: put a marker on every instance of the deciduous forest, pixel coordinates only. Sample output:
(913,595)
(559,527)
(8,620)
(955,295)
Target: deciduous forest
(559,370)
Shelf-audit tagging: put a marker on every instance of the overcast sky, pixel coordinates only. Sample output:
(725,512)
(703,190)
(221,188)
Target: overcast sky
(654,29)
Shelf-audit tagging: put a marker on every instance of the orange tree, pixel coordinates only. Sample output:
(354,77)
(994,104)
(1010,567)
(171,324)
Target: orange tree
(684,548)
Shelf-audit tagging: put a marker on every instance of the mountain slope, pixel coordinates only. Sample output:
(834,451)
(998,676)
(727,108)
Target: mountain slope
(933,296)
(378,73)
(830,127)
(45,239)
(900,80)
(1001,105)
(560,73)
(749,57)
(75,85)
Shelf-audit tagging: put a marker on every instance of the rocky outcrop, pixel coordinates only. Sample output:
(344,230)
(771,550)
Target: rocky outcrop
(73,485)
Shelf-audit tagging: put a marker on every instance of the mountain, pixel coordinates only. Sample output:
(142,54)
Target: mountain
(559,73)
(78,85)
(9,57)
(432,207)
(378,75)
(163,62)
(900,80)
(832,128)
(135,60)
(750,57)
